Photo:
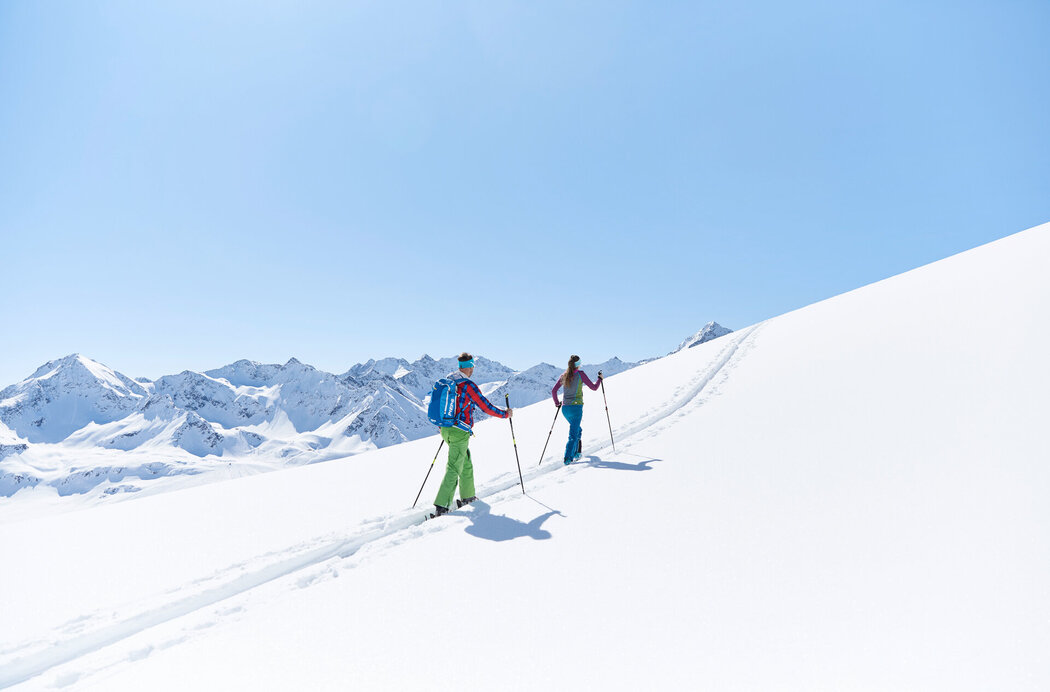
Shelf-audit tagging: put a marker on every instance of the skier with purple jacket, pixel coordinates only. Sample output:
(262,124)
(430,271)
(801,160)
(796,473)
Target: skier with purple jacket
(572,381)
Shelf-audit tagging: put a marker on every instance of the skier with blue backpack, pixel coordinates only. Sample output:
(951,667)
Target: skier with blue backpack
(452,405)
(571,382)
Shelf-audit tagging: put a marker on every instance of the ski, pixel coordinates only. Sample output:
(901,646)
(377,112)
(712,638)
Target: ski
(459,504)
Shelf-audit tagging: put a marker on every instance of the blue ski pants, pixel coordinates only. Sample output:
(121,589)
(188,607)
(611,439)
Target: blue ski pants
(574,414)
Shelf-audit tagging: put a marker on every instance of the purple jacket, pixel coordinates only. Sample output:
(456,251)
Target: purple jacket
(574,392)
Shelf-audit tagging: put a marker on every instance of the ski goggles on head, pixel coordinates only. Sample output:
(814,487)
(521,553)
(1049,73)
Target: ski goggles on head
(466,363)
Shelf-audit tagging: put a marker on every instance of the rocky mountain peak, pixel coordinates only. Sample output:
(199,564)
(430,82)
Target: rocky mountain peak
(710,331)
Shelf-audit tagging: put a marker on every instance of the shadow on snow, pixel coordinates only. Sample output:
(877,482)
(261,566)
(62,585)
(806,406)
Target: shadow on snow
(498,527)
(596,462)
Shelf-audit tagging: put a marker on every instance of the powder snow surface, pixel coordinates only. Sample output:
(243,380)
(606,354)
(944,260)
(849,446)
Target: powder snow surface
(852,496)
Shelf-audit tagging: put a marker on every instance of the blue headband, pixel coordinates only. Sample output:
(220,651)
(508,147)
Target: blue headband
(466,363)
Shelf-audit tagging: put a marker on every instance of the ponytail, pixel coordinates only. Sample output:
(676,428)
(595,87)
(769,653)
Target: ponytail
(567,376)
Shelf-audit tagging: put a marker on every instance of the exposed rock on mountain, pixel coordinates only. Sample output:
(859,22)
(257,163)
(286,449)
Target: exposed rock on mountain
(711,330)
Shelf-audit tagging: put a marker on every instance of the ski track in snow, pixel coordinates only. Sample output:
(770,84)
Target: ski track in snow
(225,593)
(691,394)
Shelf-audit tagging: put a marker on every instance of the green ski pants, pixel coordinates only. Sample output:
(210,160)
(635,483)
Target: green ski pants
(459,470)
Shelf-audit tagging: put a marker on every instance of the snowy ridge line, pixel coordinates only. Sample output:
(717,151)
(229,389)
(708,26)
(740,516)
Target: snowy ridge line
(689,392)
(61,652)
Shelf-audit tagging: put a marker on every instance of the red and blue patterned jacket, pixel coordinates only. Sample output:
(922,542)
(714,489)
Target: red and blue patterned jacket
(468,395)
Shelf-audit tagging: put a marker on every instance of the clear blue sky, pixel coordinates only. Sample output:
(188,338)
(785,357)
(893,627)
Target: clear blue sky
(183,184)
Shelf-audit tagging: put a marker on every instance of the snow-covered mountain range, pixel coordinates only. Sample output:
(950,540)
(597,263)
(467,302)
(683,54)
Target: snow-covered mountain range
(80,426)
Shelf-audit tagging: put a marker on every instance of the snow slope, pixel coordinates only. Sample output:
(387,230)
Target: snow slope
(849,496)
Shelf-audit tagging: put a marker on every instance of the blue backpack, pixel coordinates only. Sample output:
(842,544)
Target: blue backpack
(442,409)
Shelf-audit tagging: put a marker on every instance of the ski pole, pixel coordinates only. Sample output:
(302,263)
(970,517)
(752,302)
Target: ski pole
(515,445)
(428,472)
(549,434)
(602,380)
